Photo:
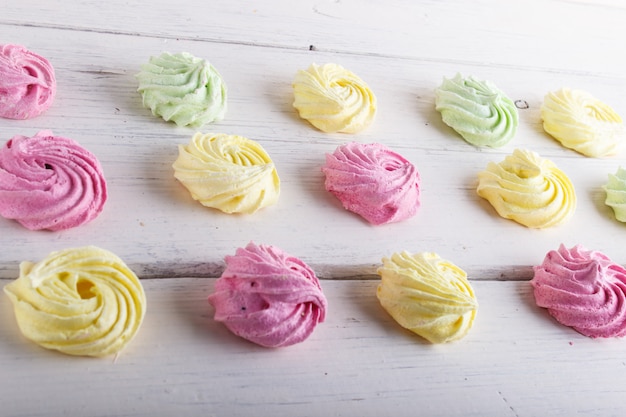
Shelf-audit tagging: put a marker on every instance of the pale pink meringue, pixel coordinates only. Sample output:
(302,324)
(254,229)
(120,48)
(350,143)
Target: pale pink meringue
(27,83)
(583,289)
(268,297)
(50,182)
(373,181)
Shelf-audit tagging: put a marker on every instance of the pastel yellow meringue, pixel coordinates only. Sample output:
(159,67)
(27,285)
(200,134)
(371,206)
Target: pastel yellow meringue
(528,189)
(83,301)
(583,123)
(227,172)
(333,99)
(427,295)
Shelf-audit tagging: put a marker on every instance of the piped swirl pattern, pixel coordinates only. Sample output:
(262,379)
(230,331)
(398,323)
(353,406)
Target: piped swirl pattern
(477,110)
(227,172)
(583,123)
(268,297)
(373,181)
(583,289)
(528,189)
(80,301)
(27,83)
(616,193)
(427,295)
(333,99)
(183,88)
(50,182)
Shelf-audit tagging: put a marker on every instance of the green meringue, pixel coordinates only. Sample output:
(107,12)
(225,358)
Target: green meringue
(616,194)
(481,113)
(183,89)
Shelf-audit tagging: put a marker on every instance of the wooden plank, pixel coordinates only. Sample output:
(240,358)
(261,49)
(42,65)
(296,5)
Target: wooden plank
(152,223)
(572,36)
(516,361)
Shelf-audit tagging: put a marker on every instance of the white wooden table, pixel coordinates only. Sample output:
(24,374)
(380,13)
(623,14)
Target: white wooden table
(516,361)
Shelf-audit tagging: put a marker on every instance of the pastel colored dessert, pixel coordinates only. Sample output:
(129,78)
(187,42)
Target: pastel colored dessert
(373,181)
(81,301)
(268,297)
(427,295)
(583,123)
(183,89)
(27,83)
(528,189)
(583,289)
(50,182)
(333,99)
(477,110)
(230,173)
(616,194)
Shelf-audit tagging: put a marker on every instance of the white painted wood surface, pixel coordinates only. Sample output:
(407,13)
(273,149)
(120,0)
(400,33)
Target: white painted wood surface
(515,362)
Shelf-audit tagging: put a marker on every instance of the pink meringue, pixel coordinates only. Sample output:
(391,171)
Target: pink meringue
(27,83)
(373,181)
(583,289)
(50,182)
(268,297)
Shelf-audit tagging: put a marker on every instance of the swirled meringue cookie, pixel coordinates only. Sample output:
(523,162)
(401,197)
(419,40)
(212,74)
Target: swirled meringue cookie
(81,301)
(616,194)
(583,123)
(27,83)
(182,88)
(268,297)
(528,189)
(584,290)
(333,99)
(427,295)
(477,110)
(50,182)
(373,181)
(230,173)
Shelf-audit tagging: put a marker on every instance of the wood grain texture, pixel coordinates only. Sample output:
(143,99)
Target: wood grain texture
(153,224)
(537,34)
(515,361)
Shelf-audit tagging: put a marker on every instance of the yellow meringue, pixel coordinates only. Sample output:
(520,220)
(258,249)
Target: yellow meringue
(230,173)
(528,189)
(427,295)
(583,123)
(333,99)
(82,301)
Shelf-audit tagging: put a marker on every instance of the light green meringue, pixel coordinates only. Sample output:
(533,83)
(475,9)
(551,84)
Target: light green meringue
(616,194)
(479,112)
(182,88)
